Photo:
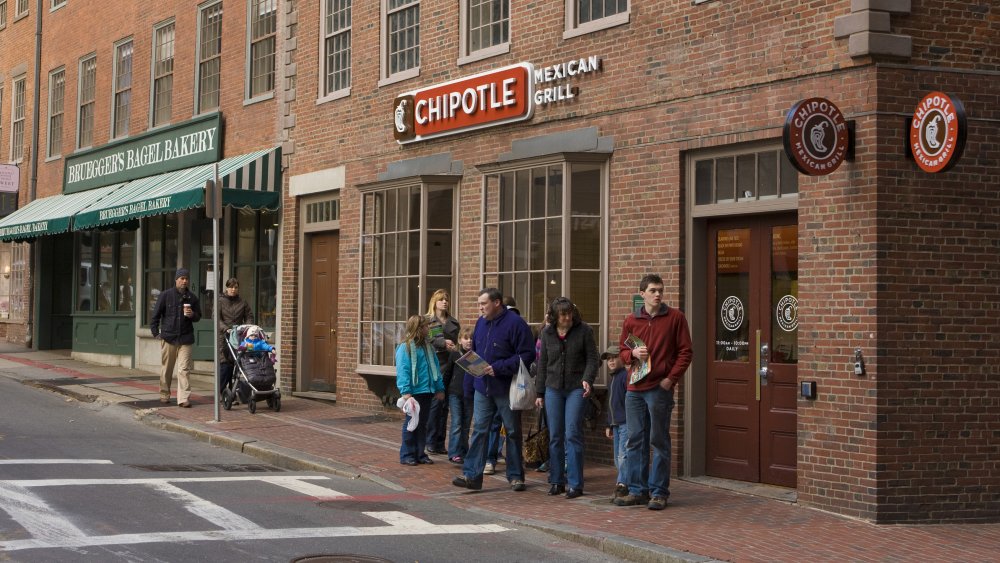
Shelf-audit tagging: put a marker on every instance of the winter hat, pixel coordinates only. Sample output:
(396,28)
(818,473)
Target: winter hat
(611,353)
(182,273)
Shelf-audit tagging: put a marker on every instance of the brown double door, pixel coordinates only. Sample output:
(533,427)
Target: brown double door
(753,337)
(319,369)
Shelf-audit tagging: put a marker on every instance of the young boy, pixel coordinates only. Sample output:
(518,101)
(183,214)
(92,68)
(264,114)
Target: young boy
(617,428)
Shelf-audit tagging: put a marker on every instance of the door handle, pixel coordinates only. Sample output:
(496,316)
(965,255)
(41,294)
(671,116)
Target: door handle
(764,371)
(333,331)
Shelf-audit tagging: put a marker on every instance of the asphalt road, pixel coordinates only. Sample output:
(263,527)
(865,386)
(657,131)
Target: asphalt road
(85,482)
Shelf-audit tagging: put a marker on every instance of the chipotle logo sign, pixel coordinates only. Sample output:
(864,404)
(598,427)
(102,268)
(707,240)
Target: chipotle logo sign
(937,133)
(482,100)
(815,136)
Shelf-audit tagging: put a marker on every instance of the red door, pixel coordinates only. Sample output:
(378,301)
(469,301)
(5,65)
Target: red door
(753,336)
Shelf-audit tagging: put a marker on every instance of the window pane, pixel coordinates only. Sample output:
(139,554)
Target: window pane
(585,292)
(554,202)
(732,326)
(106,272)
(767,174)
(537,251)
(585,243)
(266,291)
(439,253)
(586,186)
(725,170)
(85,273)
(746,176)
(246,234)
(126,274)
(553,244)
(506,196)
(789,176)
(267,246)
(703,182)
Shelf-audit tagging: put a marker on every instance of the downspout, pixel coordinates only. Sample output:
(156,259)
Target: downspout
(30,337)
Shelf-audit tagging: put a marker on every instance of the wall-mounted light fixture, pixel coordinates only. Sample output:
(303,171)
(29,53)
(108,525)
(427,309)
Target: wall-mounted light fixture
(6,272)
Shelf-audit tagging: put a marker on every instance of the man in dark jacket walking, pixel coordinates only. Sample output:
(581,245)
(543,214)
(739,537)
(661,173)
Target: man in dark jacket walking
(174,315)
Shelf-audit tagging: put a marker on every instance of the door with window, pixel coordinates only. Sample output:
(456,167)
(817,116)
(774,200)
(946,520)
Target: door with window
(319,370)
(753,335)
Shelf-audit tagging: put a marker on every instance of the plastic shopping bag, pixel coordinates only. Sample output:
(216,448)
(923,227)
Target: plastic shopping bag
(522,390)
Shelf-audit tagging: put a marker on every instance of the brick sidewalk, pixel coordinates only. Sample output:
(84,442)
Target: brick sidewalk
(701,520)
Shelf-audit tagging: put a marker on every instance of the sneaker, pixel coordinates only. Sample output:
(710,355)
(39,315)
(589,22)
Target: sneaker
(500,461)
(657,503)
(631,500)
(437,451)
(543,468)
(488,470)
(620,490)
(466,483)
(517,485)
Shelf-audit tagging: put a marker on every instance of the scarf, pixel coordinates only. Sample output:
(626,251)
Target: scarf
(435,371)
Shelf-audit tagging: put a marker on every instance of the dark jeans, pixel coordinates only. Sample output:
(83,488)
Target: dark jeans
(437,425)
(412,448)
(461,420)
(495,444)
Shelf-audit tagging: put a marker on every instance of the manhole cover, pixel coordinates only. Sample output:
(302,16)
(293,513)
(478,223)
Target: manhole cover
(359,506)
(342,558)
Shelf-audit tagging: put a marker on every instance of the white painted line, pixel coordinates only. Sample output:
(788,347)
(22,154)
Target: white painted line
(87,482)
(296,484)
(215,514)
(54,461)
(36,517)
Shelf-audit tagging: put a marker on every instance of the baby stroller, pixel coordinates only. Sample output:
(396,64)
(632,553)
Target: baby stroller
(253,373)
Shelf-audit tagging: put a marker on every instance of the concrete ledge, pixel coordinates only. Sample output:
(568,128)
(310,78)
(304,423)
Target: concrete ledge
(857,22)
(891,6)
(868,43)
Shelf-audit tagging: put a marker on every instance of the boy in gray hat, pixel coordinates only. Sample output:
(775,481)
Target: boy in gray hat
(617,428)
(174,315)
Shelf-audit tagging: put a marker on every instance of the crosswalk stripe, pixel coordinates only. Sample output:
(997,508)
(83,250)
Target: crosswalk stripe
(36,516)
(215,514)
(54,461)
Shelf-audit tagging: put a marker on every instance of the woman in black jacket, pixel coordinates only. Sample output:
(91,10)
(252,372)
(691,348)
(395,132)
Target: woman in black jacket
(566,371)
(233,310)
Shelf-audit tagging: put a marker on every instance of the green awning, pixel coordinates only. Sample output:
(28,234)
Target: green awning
(50,215)
(249,181)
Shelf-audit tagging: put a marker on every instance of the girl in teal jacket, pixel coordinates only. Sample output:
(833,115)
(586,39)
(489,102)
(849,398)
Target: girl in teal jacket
(418,378)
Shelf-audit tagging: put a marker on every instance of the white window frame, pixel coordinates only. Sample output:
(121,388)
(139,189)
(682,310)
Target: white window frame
(115,91)
(465,54)
(3,14)
(22,82)
(22,13)
(386,78)
(574,30)
(248,94)
(324,36)
(198,109)
(80,103)
(56,4)
(153,78)
(54,112)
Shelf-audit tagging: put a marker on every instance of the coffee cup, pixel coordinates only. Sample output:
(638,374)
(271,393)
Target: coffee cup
(187,309)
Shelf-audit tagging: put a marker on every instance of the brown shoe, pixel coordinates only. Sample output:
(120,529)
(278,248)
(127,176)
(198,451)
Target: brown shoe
(631,500)
(657,503)
(164,399)
(184,405)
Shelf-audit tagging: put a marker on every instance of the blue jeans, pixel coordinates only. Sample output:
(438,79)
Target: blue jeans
(620,434)
(412,448)
(564,415)
(486,408)
(437,424)
(648,414)
(496,440)
(461,419)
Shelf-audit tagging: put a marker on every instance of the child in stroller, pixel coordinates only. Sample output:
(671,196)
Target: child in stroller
(253,375)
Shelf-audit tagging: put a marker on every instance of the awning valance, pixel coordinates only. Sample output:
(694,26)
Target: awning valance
(50,215)
(249,181)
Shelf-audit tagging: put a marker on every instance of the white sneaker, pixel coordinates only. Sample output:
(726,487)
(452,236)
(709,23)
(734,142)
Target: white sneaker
(488,470)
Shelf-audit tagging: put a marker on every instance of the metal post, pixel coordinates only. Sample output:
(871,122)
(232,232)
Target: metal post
(216,212)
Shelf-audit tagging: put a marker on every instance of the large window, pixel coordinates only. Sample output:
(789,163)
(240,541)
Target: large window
(336,77)
(13,279)
(163,74)
(262,37)
(3,14)
(122,104)
(105,280)
(585,16)
(160,259)
(86,95)
(407,252)
(485,28)
(744,177)
(17,120)
(209,57)
(57,94)
(544,238)
(400,40)
(20,8)
(255,262)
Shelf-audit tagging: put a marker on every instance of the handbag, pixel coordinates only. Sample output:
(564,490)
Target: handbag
(536,445)
(522,391)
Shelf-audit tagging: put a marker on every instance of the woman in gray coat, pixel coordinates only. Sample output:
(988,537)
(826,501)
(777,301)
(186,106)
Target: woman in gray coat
(233,310)
(566,371)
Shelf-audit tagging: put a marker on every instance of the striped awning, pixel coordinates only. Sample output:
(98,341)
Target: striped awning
(50,215)
(249,181)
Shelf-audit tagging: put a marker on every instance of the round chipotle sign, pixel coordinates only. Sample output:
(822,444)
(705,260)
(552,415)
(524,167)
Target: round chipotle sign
(937,134)
(816,136)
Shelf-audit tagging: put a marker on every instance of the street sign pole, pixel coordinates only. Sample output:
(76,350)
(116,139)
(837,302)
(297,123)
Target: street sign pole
(213,209)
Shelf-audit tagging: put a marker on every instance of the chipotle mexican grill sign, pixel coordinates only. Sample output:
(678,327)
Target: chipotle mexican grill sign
(482,100)
(815,136)
(937,133)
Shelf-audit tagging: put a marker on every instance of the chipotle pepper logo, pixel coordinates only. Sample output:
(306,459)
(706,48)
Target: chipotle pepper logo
(937,134)
(815,136)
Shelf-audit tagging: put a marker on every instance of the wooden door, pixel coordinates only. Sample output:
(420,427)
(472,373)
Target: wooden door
(752,331)
(319,369)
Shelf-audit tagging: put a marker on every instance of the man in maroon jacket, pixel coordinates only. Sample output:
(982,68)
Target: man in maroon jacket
(656,342)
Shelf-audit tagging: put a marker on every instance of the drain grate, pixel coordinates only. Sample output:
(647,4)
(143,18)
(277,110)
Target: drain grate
(340,558)
(210,467)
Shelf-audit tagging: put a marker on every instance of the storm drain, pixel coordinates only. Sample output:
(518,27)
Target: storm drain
(340,558)
(211,467)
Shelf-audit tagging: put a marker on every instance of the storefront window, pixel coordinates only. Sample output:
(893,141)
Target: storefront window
(12,280)
(160,252)
(255,263)
(544,239)
(407,253)
(104,281)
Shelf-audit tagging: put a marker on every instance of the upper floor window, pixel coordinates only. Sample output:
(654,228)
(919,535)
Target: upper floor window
(3,14)
(336,47)
(17,120)
(400,40)
(262,37)
(485,26)
(57,94)
(209,57)
(58,4)
(86,96)
(20,8)
(122,104)
(585,16)
(163,74)
(742,178)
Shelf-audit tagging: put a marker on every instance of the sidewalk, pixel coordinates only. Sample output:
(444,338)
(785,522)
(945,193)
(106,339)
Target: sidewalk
(703,523)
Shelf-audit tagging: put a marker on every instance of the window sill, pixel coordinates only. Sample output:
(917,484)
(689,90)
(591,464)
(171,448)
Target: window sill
(368,369)
(19,17)
(261,98)
(53,158)
(339,94)
(399,77)
(484,54)
(605,23)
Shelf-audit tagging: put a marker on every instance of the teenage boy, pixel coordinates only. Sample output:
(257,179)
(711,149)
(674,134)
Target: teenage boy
(656,343)
(617,428)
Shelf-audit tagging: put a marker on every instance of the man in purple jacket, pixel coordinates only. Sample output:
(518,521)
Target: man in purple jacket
(503,339)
